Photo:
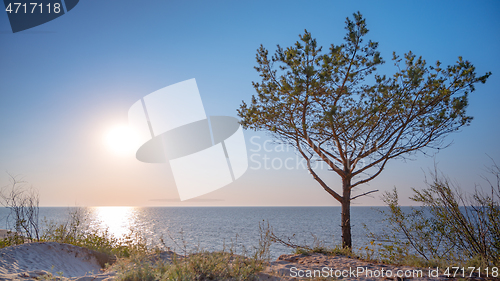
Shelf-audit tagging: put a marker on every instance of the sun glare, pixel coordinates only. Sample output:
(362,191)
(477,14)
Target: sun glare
(117,220)
(121,140)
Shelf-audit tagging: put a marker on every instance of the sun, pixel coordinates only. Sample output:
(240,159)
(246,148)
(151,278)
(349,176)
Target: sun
(121,140)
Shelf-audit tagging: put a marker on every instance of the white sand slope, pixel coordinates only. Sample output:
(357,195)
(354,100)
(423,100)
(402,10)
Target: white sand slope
(35,259)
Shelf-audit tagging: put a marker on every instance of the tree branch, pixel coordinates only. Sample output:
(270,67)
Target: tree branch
(366,193)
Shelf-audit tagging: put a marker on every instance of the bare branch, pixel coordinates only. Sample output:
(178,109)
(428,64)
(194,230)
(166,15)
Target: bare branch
(366,193)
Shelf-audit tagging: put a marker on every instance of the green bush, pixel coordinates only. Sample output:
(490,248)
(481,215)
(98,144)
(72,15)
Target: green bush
(200,264)
(76,231)
(196,266)
(449,228)
(12,239)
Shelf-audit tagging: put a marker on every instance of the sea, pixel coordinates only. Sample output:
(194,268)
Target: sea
(186,229)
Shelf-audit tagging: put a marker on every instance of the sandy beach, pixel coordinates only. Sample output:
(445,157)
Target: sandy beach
(68,262)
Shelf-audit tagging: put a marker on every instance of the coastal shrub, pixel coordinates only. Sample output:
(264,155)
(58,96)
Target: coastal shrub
(329,251)
(76,231)
(22,201)
(199,265)
(449,228)
(12,239)
(227,264)
(143,271)
(196,266)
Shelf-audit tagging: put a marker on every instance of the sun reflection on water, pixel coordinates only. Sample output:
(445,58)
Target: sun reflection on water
(117,220)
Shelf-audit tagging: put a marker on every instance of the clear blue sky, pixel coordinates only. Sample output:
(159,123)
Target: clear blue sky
(66,82)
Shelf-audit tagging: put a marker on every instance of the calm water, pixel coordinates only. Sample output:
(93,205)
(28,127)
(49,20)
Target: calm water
(210,227)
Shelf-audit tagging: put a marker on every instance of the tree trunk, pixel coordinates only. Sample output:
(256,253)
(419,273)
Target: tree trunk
(346,213)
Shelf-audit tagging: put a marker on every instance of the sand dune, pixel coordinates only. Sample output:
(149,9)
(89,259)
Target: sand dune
(34,259)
